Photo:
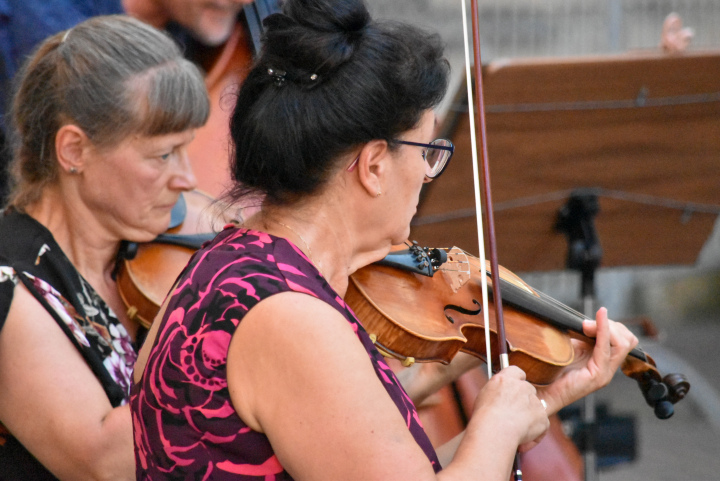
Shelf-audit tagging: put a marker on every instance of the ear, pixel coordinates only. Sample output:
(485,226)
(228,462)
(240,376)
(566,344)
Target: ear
(372,166)
(71,143)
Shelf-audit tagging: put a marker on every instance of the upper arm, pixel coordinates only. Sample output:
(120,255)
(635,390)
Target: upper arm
(298,373)
(52,402)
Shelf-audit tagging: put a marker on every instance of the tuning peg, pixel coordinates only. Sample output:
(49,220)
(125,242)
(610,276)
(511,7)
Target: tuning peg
(664,409)
(655,392)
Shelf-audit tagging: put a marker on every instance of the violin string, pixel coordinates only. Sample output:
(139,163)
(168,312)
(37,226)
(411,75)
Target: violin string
(546,298)
(562,306)
(637,352)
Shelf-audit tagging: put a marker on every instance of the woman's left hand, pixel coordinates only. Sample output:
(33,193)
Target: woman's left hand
(595,366)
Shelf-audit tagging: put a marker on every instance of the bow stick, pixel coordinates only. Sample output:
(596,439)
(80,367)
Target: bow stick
(486,197)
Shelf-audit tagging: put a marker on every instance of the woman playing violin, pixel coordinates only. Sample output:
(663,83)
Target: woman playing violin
(103,114)
(256,368)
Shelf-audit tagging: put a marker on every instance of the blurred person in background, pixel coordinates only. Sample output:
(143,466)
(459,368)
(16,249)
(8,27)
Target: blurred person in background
(220,36)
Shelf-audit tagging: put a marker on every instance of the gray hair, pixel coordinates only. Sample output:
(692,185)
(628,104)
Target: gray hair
(112,76)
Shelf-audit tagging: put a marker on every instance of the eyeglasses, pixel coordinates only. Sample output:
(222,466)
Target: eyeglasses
(437,154)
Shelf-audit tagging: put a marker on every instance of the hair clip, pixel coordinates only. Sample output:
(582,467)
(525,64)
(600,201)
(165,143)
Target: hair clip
(278,76)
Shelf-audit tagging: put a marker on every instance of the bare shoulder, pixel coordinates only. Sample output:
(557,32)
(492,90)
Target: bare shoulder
(298,372)
(276,338)
(29,328)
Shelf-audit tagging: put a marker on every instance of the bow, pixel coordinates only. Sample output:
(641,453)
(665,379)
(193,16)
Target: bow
(486,198)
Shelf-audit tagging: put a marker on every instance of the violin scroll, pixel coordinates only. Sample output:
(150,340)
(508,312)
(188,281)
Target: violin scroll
(660,393)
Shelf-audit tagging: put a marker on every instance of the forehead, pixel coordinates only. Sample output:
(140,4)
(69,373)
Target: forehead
(161,141)
(148,144)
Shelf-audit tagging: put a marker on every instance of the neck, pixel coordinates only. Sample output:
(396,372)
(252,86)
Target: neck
(331,240)
(88,246)
(149,11)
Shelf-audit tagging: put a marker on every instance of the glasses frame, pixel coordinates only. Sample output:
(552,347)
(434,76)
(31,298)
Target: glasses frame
(450,148)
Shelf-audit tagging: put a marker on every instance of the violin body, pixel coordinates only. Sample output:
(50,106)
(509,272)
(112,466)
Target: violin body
(428,307)
(435,321)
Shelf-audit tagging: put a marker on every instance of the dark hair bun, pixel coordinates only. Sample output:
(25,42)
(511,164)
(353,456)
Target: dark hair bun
(314,36)
(329,79)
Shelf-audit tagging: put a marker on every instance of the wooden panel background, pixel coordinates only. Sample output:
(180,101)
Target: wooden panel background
(642,123)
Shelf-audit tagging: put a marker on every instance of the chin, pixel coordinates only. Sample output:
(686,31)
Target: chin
(214,33)
(401,238)
(149,231)
(142,235)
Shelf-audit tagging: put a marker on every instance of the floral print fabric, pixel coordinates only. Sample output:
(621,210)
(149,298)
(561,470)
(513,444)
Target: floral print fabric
(184,422)
(99,330)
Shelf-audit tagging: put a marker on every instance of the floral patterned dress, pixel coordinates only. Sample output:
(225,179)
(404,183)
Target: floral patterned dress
(184,423)
(29,255)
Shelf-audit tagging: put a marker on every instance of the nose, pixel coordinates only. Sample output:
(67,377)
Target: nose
(183,178)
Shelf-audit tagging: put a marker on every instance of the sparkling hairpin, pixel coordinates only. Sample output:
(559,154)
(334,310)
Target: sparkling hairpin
(278,76)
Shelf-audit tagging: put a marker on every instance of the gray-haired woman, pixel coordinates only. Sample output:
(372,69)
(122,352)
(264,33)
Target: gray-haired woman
(102,116)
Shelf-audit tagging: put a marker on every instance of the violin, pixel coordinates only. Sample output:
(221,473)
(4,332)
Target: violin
(423,304)
(146,272)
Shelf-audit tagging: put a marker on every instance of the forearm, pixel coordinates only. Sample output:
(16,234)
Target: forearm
(423,379)
(485,452)
(447,451)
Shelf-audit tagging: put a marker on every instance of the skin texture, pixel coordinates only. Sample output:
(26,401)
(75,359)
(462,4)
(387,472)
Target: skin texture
(210,21)
(675,38)
(326,419)
(122,192)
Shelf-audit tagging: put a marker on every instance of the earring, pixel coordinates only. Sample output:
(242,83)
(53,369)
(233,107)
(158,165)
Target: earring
(73,170)
(378,194)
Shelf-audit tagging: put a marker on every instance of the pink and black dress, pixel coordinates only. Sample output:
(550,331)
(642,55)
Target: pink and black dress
(184,423)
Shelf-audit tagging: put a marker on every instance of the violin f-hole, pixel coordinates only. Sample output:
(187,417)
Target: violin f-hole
(462,310)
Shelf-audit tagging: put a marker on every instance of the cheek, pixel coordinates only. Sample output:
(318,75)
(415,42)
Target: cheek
(418,181)
(138,193)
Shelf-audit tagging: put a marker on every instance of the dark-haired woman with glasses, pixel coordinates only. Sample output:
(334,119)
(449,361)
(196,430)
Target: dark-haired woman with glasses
(255,367)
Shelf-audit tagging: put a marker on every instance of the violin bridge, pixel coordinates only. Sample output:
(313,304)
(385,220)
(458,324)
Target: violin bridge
(456,269)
